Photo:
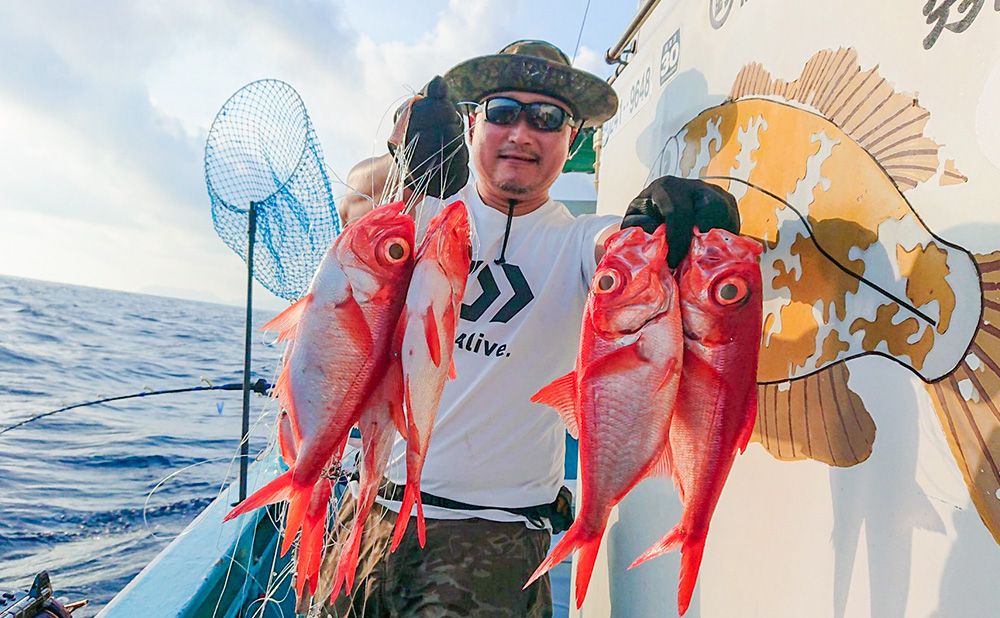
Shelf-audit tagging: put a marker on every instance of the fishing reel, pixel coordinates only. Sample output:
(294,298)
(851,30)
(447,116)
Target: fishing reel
(37,602)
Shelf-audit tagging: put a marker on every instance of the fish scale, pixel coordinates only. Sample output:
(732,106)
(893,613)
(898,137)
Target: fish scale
(354,300)
(430,320)
(620,396)
(721,307)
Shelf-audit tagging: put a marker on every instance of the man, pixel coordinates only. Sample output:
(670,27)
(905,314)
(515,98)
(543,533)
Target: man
(495,464)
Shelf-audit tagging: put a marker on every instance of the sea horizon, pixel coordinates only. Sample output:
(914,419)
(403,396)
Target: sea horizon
(80,491)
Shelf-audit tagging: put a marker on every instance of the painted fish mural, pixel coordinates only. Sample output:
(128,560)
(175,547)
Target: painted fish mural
(820,166)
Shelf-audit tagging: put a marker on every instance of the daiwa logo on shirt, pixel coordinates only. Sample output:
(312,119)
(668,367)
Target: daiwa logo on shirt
(514,300)
(496,302)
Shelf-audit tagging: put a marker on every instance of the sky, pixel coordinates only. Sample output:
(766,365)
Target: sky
(105,108)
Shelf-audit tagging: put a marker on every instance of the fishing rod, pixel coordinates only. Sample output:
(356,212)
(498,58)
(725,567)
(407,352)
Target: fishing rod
(261,387)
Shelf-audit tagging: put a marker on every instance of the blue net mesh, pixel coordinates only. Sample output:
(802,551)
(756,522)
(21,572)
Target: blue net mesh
(262,149)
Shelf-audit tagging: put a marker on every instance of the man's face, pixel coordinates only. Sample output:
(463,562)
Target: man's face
(517,160)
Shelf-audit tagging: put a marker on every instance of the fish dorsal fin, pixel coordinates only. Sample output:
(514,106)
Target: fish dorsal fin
(288,320)
(282,391)
(886,123)
(560,394)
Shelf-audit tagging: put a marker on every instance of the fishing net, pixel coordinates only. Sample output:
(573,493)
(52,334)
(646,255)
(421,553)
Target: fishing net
(262,149)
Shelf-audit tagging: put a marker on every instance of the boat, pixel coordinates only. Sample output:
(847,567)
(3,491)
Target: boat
(818,516)
(232,569)
(871,485)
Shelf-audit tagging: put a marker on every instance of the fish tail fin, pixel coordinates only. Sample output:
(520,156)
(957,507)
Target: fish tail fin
(965,401)
(691,554)
(347,565)
(585,568)
(411,497)
(421,526)
(277,490)
(298,503)
(574,539)
(281,488)
(692,548)
(667,543)
(312,540)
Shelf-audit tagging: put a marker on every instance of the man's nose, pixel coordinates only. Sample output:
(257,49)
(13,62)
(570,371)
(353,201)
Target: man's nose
(520,131)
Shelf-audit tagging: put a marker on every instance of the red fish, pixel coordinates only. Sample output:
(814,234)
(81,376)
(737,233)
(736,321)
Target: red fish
(430,320)
(378,424)
(339,337)
(721,306)
(622,391)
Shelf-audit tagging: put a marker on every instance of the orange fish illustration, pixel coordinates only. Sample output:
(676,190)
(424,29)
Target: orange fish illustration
(820,167)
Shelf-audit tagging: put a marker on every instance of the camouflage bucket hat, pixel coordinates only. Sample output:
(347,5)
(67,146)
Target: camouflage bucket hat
(535,66)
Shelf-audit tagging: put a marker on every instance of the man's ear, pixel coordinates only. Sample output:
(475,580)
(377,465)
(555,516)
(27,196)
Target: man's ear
(472,123)
(573,134)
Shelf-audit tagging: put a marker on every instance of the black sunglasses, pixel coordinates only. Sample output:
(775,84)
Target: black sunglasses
(540,115)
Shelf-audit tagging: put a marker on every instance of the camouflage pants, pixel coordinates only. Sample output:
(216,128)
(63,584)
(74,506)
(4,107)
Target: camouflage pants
(469,567)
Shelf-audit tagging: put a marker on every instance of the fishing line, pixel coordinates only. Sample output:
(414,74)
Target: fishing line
(260,386)
(161,482)
(580,34)
(819,247)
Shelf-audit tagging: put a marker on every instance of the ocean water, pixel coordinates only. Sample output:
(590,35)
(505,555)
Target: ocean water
(93,494)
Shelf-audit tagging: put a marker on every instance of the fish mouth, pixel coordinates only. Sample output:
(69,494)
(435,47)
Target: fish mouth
(646,322)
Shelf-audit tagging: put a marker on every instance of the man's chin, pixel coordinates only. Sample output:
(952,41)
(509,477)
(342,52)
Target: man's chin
(514,188)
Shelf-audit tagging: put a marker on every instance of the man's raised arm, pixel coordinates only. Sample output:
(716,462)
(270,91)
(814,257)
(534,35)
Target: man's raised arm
(434,128)
(366,182)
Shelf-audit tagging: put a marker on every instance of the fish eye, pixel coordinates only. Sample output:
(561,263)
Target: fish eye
(607,281)
(396,250)
(730,291)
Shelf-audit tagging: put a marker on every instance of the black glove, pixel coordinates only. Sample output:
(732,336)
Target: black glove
(435,135)
(682,204)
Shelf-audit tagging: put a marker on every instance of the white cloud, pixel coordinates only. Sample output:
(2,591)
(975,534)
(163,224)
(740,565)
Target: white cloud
(105,114)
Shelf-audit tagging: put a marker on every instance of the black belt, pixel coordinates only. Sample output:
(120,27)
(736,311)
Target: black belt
(559,512)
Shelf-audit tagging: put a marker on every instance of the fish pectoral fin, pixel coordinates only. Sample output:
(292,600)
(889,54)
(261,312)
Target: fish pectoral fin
(394,393)
(433,338)
(751,420)
(663,464)
(671,370)
(397,335)
(286,322)
(621,360)
(451,369)
(560,394)
(355,324)
(398,418)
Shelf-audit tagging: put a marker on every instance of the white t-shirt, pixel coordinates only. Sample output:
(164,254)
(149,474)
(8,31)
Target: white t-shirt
(519,330)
